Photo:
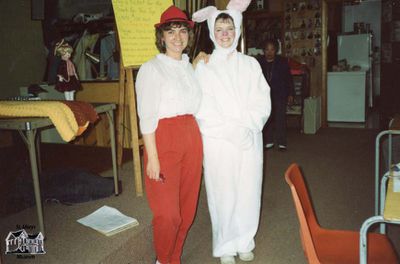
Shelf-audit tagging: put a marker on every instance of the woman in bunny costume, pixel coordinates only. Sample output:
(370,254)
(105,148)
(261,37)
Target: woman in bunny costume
(235,106)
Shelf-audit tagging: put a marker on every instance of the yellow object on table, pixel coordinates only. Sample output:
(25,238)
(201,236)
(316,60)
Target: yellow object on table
(392,205)
(61,116)
(71,118)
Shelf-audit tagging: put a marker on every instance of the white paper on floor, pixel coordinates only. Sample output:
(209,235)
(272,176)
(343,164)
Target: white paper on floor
(108,221)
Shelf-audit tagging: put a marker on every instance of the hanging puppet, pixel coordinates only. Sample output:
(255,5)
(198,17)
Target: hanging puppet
(67,79)
(235,106)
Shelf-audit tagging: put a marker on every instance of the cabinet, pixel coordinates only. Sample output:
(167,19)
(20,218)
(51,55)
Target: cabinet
(301,85)
(259,26)
(303,26)
(346,96)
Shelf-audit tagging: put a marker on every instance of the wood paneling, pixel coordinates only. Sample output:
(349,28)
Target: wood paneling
(275,6)
(98,134)
(305,42)
(6,139)
(99,92)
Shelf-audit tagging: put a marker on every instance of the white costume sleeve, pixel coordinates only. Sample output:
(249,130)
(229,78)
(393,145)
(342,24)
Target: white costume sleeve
(148,97)
(211,121)
(259,101)
(209,117)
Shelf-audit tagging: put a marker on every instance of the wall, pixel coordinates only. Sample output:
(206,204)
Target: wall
(181,4)
(67,9)
(369,11)
(274,5)
(23,58)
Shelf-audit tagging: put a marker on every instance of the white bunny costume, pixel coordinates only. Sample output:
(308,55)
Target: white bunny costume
(235,106)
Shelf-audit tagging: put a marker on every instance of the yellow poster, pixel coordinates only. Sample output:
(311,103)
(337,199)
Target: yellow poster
(135,23)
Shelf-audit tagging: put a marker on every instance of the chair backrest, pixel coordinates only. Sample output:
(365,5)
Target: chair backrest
(304,209)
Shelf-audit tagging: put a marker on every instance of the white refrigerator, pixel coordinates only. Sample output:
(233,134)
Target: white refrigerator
(350,92)
(346,96)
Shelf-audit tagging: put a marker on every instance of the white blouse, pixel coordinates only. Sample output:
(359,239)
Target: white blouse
(165,88)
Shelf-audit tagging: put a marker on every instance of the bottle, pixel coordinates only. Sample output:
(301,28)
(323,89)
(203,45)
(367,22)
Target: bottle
(361,28)
(368,28)
(356,27)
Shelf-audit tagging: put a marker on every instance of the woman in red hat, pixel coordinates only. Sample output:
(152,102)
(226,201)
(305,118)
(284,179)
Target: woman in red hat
(168,97)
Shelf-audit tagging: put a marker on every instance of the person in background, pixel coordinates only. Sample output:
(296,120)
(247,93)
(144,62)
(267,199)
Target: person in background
(277,73)
(235,106)
(168,96)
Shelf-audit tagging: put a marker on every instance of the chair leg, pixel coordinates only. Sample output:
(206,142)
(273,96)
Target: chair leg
(363,236)
(382,227)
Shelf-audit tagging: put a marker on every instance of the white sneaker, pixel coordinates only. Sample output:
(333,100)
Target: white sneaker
(247,256)
(269,145)
(227,260)
(282,147)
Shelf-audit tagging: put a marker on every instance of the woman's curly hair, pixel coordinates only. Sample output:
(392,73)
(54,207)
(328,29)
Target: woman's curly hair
(165,27)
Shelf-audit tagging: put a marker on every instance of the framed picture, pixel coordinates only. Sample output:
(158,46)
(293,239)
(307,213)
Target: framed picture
(258,5)
(259,26)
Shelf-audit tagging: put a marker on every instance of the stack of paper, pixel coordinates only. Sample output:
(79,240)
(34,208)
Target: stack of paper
(108,221)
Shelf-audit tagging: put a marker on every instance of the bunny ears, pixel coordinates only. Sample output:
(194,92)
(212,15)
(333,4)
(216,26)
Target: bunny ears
(239,5)
(204,13)
(207,12)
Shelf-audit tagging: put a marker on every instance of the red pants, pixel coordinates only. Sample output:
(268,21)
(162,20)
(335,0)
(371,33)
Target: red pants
(174,201)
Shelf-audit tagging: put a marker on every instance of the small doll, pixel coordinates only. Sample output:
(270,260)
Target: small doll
(67,79)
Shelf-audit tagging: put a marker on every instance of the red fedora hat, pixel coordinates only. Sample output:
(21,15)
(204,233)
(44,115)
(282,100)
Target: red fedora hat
(174,14)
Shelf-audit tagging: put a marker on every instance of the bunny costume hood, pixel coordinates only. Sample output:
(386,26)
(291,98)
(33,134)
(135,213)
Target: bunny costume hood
(210,13)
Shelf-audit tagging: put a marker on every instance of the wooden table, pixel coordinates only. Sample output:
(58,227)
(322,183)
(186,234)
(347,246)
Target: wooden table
(31,125)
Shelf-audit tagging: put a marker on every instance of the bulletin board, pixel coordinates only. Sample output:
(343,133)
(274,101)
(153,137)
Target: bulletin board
(135,23)
(303,37)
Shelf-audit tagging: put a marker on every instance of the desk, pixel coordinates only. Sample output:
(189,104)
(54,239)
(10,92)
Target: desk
(389,213)
(392,209)
(386,201)
(31,125)
(389,133)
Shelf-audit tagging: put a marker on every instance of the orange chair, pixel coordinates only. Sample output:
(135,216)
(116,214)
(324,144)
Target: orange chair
(332,246)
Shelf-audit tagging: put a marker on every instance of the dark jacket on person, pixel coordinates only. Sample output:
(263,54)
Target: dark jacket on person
(278,76)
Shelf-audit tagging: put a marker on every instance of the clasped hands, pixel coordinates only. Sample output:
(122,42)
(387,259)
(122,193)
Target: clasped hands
(241,137)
